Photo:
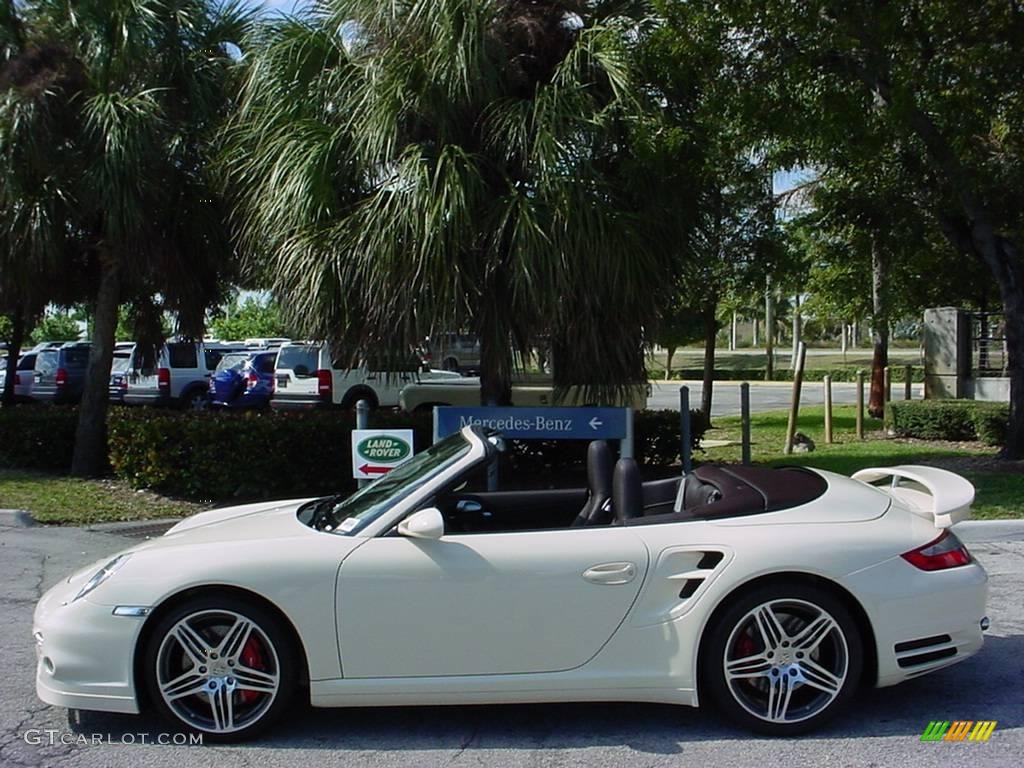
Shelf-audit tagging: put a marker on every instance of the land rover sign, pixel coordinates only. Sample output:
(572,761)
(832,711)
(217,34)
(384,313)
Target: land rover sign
(376,452)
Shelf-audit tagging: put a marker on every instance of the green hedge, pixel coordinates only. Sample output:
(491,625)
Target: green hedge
(214,456)
(950,420)
(38,437)
(784,374)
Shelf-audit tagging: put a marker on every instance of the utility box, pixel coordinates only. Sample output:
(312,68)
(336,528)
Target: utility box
(947,353)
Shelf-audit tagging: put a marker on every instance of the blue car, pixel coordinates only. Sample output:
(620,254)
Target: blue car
(243,380)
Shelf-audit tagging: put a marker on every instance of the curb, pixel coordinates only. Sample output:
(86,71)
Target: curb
(17,518)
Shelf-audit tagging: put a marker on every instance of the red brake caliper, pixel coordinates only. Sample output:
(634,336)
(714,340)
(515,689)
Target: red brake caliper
(252,657)
(744,646)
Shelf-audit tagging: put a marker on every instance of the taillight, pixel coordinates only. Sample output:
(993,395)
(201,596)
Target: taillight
(323,384)
(17,379)
(947,551)
(163,380)
(61,378)
(123,384)
(251,380)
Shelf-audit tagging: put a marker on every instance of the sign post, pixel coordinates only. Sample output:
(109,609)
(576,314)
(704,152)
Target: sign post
(375,452)
(544,423)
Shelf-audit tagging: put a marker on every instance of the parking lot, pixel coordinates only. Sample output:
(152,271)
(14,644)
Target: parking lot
(883,728)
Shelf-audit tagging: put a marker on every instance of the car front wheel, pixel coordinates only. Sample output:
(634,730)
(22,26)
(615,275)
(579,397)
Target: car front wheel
(783,659)
(220,667)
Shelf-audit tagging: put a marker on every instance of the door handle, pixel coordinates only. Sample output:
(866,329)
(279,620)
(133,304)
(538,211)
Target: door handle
(611,573)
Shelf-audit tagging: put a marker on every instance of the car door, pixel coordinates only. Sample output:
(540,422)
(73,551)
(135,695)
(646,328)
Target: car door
(484,604)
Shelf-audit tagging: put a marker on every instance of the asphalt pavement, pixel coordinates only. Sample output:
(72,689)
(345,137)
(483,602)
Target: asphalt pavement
(764,396)
(883,728)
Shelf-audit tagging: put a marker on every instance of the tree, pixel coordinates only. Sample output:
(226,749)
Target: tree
(733,242)
(823,77)
(142,214)
(677,326)
(249,319)
(866,222)
(37,81)
(57,326)
(480,164)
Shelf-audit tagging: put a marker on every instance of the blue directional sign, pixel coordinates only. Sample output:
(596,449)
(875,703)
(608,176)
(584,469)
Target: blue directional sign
(537,423)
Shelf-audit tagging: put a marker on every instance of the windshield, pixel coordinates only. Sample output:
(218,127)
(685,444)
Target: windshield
(232,362)
(369,503)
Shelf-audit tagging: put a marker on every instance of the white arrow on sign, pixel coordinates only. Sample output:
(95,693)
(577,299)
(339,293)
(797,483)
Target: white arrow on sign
(595,423)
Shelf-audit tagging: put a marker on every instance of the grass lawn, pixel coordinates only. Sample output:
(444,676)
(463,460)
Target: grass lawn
(1000,485)
(60,500)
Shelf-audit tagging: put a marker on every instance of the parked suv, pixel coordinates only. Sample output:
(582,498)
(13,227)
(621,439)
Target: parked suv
(120,367)
(306,377)
(60,373)
(180,376)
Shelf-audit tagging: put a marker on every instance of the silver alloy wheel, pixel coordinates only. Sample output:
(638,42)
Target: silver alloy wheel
(217,671)
(786,661)
(196,401)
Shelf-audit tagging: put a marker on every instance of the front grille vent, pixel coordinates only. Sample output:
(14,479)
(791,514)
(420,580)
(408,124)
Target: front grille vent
(925,658)
(924,642)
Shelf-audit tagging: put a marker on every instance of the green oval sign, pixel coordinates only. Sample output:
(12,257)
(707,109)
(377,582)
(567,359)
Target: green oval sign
(383,449)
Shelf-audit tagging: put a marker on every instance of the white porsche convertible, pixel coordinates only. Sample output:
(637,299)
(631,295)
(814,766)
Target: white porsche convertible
(771,593)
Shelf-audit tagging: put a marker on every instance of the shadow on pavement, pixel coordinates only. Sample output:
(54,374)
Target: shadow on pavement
(961,692)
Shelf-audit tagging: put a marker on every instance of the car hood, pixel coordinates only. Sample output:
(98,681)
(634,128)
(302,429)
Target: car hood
(249,522)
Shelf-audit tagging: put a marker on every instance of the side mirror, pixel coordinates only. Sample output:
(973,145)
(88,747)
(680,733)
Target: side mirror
(425,524)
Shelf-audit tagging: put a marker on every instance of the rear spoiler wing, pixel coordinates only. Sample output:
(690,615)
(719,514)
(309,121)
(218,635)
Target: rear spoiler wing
(937,494)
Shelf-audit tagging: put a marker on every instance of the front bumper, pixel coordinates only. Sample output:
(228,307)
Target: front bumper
(922,621)
(85,654)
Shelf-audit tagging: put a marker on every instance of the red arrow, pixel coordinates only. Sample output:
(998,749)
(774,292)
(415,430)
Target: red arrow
(366,469)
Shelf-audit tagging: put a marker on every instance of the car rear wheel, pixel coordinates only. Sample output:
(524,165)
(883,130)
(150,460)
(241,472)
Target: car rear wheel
(194,400)
(353,396)
(783,659)
(221,667)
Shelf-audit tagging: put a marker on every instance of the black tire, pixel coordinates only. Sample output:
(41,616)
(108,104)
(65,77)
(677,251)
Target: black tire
(249,712)
(788,674)
(194,399)
(353,396)
(450,364)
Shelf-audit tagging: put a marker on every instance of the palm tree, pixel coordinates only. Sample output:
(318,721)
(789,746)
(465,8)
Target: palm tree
(439,164)
(37,83)
(156,88)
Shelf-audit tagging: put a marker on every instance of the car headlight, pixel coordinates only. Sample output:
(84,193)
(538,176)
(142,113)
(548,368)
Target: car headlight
(102,575)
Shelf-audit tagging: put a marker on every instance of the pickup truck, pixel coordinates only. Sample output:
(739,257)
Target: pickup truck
(465,392)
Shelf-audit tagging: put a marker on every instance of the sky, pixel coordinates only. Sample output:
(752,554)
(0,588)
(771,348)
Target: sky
(276,5)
